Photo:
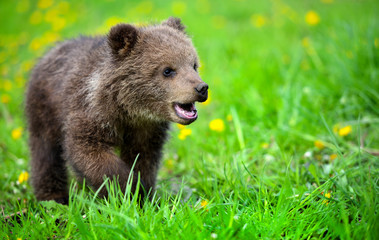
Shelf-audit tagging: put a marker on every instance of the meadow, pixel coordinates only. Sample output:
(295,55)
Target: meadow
(286,147)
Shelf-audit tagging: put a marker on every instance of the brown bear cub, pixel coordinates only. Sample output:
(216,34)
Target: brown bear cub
(92,95)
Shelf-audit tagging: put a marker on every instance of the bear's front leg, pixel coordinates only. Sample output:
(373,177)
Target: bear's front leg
(89,150)
(143,145)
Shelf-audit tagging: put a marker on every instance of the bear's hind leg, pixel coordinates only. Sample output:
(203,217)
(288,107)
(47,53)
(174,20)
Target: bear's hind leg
(49,174)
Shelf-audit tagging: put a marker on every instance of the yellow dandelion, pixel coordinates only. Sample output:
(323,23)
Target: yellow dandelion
(4,69)
(20,81)
(333,156)
(258,20)
(217,125)
(16,133)
(23,177)
(319,144)
(179,8)
(327,1)
(169,164)
(312,18)
(51,37)
(51,15)
(44,3)
(184,133)
(218,22)
(345,131)
(27,65)
(5,98)
(180,126)
(376,42)
(58,24)
(204,203)
(36,18)
(7,85)
(35,44)
(229,117)
(265,145)
(327,195)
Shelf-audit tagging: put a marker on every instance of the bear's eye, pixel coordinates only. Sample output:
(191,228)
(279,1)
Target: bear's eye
(168,72)
(195,67)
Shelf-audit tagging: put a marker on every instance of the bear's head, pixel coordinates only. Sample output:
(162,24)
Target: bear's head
(155,71)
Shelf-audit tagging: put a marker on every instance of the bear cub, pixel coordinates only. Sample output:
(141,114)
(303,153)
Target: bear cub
(89,96)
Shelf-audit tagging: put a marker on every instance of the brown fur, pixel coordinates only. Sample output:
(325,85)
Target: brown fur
(89,96)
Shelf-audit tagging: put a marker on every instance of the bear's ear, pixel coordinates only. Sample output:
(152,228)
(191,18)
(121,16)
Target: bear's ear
(122,38)
(174,23)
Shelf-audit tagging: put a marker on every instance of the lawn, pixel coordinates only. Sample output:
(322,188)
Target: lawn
(286,147)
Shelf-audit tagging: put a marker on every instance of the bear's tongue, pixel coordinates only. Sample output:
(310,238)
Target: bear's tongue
(186,111)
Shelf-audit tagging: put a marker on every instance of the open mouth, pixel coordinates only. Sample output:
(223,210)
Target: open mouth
(186,111)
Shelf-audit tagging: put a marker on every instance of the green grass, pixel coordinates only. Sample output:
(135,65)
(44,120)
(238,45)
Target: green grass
(277,88)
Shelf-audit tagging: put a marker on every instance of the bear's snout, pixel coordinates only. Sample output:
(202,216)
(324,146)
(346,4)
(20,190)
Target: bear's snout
(202,91)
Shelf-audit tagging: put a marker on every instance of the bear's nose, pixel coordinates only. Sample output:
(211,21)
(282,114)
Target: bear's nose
(202,89)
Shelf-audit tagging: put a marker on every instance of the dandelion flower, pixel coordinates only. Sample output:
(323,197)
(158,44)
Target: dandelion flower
(319,144)
(44,3)
(327,1)
(184,133)
(16,133)
(333,156)
(58,24)
(258,20)
(229,117)
(35,44)
(204,203)
(180,126)
(36,18)
(217,125)
(312,18)
(169,164)
(23,177)
(345,131)
(376,42)
(7,85)
(265,145)
(327,195)
(5,98)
